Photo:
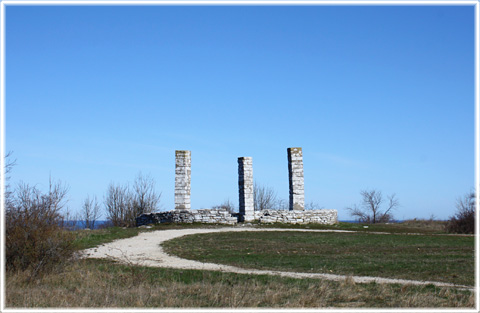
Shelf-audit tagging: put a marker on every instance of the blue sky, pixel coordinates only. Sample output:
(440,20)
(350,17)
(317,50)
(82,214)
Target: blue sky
(377,96)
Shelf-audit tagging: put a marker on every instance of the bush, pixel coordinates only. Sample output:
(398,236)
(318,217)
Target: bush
(372,210)
(35,239)
(124,204)
(227,205)
(264,198)
(463,222)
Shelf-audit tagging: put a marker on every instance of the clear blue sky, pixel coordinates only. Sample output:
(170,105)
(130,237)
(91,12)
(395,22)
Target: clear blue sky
(377,96)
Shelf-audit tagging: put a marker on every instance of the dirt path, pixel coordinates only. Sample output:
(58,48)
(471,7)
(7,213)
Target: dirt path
(146,250)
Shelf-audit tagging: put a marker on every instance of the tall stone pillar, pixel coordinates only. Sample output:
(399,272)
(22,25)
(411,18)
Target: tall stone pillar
(245,189)
(295,179)
(183,172)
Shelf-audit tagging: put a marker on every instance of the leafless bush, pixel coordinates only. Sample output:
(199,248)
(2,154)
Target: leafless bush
(463,221)
(370,211)
(90,212)
(227,205)
(9,164)
(145,198)
(313,206)
(35,239)
(117,202)
(282,205)
(124,204)
(264,198)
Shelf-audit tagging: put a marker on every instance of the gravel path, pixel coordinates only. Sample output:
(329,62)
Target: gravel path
(146,250)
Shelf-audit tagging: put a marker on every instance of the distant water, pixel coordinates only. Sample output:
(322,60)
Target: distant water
(81,224)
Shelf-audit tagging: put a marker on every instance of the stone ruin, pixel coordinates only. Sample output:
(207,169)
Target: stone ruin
(295,215)
(245,189)
(183,174)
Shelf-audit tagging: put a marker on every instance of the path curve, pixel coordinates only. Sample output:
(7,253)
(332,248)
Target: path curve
(145,249)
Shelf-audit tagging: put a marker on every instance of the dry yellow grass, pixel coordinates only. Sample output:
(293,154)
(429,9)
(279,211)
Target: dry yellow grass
(101,284)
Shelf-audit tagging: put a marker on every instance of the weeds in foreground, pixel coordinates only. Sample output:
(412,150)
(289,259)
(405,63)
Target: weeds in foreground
(102,284)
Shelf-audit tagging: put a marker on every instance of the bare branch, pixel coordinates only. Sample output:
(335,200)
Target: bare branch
(464,219)
(227,205)
(123,204)
(90,212)
(145,198)
(371,207)
(264,198)
(9,164)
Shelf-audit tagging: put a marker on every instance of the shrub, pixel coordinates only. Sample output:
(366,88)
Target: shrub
(124,204)
(35,239)
(372,210)
(264,198)
(227,205)
(90,212)
(463,222)
(117,201)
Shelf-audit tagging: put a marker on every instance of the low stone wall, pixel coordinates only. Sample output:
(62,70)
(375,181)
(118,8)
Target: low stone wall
(324,216)
(222,216)
(210,216)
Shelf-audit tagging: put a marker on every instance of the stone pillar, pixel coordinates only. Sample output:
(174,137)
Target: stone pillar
(183,172)
(295,179)
(245,189)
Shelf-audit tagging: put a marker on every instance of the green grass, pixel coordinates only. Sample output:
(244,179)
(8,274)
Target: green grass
(85,239)
(411,226)
(103,284)
(417,257)
(90,238)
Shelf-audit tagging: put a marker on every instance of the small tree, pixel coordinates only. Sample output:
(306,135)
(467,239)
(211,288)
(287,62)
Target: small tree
(227,205)
(145,198)
(464,220)
(9,164)
(116,203)
(371,211)
(283,205)
(313,206)
(34,234)
(263,197)
(90,212)
(123,204)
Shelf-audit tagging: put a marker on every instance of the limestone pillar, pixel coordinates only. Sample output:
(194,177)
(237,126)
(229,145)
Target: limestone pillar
(295,179)
(182,179)
(245,189)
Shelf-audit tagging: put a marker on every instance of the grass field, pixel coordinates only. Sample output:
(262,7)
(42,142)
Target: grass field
(104,284)
(424,257)
(88,238)
(421,226)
